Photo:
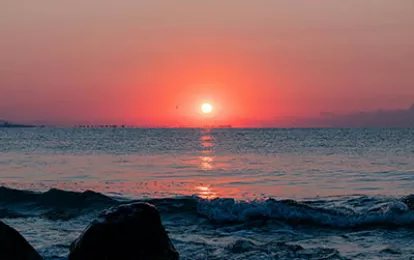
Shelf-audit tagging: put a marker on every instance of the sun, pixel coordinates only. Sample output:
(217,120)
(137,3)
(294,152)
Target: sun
(206,108)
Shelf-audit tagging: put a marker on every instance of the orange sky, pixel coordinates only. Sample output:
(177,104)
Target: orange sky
(133,62)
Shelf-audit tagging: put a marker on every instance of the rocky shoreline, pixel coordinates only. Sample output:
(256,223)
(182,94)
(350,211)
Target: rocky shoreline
(129,231)
(132,231)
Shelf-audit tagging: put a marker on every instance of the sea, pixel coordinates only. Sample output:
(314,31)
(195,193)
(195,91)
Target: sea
(228,194)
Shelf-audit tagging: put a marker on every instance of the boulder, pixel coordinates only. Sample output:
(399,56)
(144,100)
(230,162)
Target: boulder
(14,246)
(126,232)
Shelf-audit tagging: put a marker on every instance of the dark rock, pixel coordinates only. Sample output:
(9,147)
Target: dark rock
(409,201)
(127,232)
(13,246)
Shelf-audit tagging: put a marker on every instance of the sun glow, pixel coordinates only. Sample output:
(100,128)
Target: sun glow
(206,108)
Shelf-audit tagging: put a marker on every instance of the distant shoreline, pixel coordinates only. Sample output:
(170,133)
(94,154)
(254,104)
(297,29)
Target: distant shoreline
(11,125)
(17,126)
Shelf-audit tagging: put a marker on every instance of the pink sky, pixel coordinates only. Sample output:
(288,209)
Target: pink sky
(101,61)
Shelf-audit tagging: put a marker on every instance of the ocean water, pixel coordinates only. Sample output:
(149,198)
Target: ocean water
(222,193)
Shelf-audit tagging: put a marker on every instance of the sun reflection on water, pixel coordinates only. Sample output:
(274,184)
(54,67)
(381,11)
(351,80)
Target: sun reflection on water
(206,163)
(205,192)
(207,145)
(207,141)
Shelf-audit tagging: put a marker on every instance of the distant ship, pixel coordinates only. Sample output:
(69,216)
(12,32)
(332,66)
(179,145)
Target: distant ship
(218,126)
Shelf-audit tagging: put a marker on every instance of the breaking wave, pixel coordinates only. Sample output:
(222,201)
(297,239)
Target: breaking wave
(347,212)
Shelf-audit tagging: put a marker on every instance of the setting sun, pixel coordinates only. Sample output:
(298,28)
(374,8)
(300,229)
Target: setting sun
(206,108)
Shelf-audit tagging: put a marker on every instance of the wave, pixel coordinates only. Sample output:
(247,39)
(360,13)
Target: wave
(355,212)
(54,198)
(54,204)
(6,213)
(228,210)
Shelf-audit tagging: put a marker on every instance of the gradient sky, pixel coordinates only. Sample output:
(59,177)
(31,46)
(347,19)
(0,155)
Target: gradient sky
(133,62)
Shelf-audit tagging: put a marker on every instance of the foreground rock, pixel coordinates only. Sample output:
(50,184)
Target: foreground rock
(13,246)
(127,232)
